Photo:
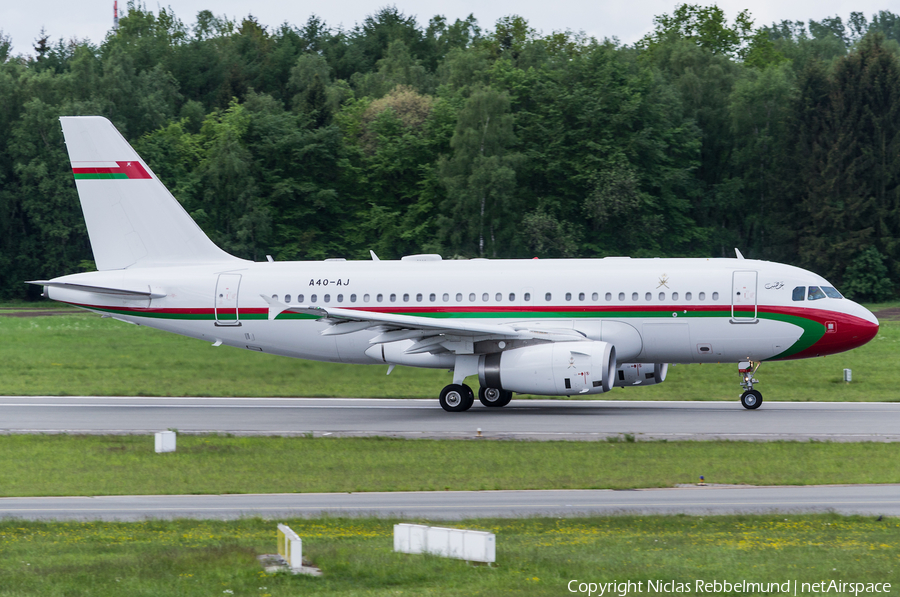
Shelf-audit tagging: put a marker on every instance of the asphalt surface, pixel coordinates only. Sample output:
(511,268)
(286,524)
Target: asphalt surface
(521,419)
(455,505)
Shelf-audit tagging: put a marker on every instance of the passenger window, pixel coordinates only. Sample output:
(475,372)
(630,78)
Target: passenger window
(799,293)
(548,296)
(432,297)
(365,298)
(512,297)
(608,296)
(419,298)
(275,296)
(458,297)
(327,298)
(287,298)
(312,299)
(702,296)
(596,297)
(352,298)
(499,297)
(715,296)
(662,296)
(405,297)
(648,296)
(580,296)
(621,296)
(446,298)
(831,292)
(568,296)
(815,293)
(471,297)
(527,296)
(485,297)
(634,296)
(687,296)
(674,296)
(393,298)
(340,298)
(379,298)
(299,298)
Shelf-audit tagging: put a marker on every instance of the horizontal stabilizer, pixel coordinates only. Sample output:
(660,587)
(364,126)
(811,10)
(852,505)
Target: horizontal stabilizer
(124,292)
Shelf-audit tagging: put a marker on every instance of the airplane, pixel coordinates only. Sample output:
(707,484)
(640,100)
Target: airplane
(555,327)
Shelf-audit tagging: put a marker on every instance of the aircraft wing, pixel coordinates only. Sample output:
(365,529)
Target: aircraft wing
(428,334)
(352,320)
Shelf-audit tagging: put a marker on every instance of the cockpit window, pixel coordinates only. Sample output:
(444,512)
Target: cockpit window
(799,293)
(831,292)
(815,293)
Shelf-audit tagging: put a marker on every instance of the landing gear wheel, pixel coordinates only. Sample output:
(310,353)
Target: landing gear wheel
(457,398)
(751,399)
(494,397)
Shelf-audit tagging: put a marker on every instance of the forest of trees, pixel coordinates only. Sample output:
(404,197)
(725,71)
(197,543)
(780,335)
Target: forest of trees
(308,142)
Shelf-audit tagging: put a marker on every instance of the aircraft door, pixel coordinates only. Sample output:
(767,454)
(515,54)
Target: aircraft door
(227,299)
(743,297)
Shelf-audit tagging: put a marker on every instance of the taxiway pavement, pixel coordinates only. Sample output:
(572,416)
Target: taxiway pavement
(456,505)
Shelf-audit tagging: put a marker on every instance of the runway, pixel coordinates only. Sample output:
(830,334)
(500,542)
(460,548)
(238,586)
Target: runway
(870,500)
(521,419)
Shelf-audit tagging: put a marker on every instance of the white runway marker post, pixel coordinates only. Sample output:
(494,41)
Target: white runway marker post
(165,441)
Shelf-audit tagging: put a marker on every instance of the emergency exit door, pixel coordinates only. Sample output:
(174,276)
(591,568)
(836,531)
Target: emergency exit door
(227,299)
(743,297)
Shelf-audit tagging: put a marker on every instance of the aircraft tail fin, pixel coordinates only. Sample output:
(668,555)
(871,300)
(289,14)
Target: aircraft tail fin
(132,219)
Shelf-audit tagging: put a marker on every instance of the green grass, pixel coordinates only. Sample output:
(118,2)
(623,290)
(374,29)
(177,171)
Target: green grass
(536,556)
(203,464)
(82,354)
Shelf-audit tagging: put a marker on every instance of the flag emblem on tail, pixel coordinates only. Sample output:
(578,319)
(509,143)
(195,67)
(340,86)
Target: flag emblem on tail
(130,170)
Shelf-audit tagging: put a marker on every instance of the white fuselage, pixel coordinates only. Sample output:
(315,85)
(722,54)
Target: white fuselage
(682,310)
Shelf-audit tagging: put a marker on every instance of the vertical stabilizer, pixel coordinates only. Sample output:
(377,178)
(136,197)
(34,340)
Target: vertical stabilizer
(132,219)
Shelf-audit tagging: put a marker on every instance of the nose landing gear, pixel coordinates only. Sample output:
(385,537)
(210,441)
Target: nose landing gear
(750,399)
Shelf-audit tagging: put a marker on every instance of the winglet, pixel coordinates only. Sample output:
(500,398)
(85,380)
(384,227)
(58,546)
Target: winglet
(276,307)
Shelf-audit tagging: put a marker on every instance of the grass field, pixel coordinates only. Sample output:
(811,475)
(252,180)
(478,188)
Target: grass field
(536,556)
(122,465)
(82,354)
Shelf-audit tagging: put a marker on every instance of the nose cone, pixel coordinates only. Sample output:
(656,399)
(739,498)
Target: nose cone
(853,328)
(845,329)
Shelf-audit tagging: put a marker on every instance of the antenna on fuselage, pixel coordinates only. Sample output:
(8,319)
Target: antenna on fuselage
(737,253)
(374,256)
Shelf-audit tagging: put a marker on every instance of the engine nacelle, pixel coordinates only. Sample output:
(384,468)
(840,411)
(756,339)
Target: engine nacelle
(555,369)
(640,374)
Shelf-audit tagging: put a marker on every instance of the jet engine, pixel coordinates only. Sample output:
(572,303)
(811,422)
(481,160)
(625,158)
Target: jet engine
(554,369)
(640,374)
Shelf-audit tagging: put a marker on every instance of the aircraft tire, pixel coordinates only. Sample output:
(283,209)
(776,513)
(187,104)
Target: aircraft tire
(751,399)
(457,398)
(494,397)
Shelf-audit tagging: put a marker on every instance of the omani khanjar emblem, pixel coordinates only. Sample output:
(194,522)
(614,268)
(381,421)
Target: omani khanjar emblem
(663,279)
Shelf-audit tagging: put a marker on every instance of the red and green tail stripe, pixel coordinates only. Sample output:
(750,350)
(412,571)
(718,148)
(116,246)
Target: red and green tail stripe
(123,170)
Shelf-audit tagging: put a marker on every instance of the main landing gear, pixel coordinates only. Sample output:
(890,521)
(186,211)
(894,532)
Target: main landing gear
(750,399)
(460,397)
(494,397)
(457,398)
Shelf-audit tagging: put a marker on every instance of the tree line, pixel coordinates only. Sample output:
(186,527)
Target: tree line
(308,142)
